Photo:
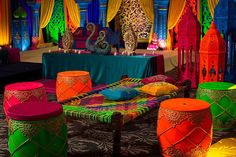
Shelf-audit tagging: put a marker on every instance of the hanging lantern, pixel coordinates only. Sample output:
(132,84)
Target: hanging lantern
(212,56)
(223,103)
(184,127)
(72,83)
(188,47)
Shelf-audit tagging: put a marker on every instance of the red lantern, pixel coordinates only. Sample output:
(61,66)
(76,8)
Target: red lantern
(188,47)
(212,56)
(184,127)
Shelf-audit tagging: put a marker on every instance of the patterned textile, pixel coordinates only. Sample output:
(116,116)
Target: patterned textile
(158,78)
(119,93)
(103,112)
(158,88)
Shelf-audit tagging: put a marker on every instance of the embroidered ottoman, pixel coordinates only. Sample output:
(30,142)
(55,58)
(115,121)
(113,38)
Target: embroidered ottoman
(23,92)
(184,127)
(223,103)
(72,83)
(37,129)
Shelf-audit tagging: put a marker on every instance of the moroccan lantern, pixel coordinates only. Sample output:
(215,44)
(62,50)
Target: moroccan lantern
(188,47)
(212,56)
(72,83)
(184,127)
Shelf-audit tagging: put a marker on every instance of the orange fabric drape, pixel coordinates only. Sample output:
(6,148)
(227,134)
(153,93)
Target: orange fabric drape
(112,9)
(212,4)
(148,8)
(74,12)
(175,11)
(45,16)
(5,34)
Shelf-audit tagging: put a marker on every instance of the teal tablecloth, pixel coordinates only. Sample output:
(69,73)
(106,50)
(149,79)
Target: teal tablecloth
(103,69)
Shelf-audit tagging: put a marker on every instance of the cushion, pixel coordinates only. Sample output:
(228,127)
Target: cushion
(119,93)
(158,78)
(158,88)
(233,87)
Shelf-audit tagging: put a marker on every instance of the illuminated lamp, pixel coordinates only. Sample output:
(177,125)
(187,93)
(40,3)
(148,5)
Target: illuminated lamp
(162,43)
(23,92)
(72,83)
(184,127)
(212,56)
(37,129)
(223,103)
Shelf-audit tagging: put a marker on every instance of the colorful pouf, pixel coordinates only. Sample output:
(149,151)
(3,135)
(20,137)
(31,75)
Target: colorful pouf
(223,103)
(23,92)
(184,127)
(37,129)
(72,83)
(224,148)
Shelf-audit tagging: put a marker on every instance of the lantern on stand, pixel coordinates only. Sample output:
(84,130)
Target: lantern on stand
(212,56)
(188,47)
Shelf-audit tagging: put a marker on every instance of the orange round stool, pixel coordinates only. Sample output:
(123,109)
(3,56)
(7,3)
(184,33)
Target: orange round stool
(23,92)
(184,127)
(72,83)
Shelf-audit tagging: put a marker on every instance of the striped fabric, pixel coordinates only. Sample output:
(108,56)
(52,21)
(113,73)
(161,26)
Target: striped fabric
(130,109)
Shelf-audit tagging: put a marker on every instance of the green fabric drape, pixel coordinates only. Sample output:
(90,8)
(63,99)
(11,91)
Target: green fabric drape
(175,11)
(74,12)
(45,16)
(212,4)
(5,22)
(148,8)
(112,9)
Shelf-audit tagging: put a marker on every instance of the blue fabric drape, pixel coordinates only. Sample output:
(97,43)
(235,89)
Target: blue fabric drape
(93,11)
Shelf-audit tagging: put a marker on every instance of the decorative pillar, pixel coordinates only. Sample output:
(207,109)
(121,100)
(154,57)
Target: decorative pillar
(35,23)
(225,20)
(83,5)
(103,12)
(161,14)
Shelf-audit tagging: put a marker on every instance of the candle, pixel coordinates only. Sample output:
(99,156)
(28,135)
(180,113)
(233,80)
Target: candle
(49,51)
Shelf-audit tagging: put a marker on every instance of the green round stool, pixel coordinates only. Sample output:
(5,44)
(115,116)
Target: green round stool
(37,129)
(223,103)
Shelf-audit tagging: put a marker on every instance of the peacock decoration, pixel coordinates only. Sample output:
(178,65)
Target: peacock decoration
(130,39)
(67,40)
(100,46)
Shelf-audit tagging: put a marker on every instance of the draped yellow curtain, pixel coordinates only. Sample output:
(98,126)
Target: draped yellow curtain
(148,8)
(4,22)
(112,9)
(74,12)
(175,11)
(212,4)
(45,16)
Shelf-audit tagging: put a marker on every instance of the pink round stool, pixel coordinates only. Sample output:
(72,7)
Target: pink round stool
(23,92)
